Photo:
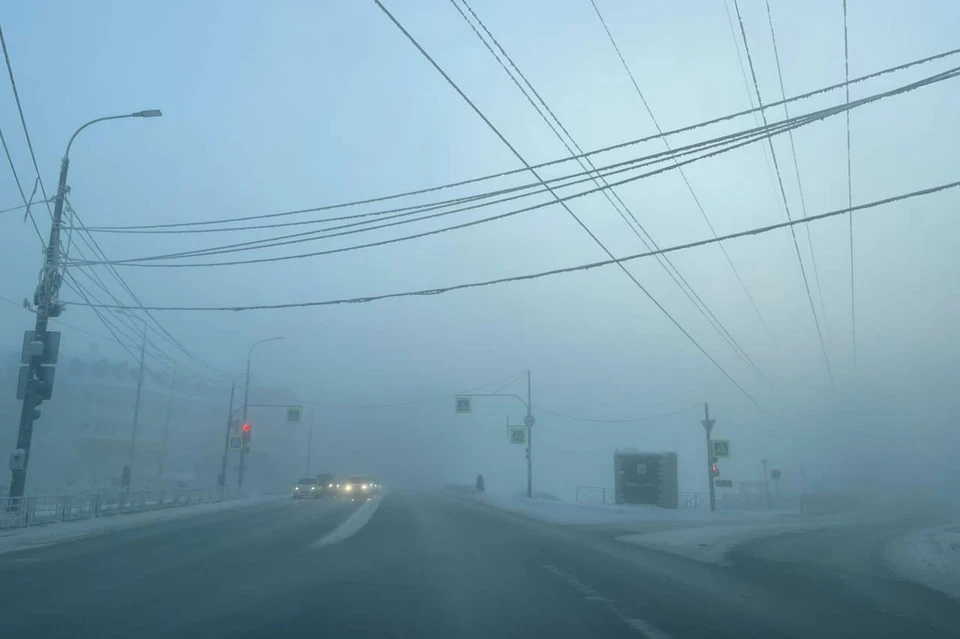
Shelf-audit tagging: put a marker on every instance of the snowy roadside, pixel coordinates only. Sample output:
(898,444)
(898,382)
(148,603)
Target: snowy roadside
(692,533)
(55,533)
(930,557)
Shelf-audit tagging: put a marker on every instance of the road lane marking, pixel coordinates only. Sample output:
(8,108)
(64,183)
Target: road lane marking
(644,628)
(352,524)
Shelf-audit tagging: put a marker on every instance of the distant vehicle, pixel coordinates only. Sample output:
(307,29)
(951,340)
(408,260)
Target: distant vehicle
(358,487)
(327,483)
(308,488)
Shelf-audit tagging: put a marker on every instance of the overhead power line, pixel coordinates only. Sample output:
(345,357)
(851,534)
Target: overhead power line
(726,141)
(559,271)
(611,195)
(629,420)
(796,166)
(786,205)
(751,111)
(683,175)
(779,128)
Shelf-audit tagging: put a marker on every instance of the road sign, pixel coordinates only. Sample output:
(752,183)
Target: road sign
(236,441)
(529,420)
(518,435)
(463,405)
(294,413)
(723,483)
(775,474)
(721,448)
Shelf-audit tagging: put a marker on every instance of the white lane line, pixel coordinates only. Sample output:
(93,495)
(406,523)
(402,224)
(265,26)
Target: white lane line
(644,628)
(352,524)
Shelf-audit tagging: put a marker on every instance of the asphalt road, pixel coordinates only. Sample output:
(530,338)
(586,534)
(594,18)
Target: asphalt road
(435,565)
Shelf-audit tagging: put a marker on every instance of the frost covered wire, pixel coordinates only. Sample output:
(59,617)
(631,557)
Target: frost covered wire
(796,166)
(542,274)
(683,175)
(611,195)
(786,205)
(779,128)
(607,171)
(751,111)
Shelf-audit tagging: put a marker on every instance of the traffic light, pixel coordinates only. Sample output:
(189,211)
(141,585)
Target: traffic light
(714,470)
(246,431)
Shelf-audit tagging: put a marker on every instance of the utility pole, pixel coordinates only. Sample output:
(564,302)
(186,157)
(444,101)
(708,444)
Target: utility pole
(529,421)
(47,305)
(708,426)
(309,443)
(136,407)
(222,479)
(766,483)
(166,426)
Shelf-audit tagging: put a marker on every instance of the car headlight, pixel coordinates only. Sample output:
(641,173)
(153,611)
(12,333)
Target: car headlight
(313,488)
(348,488)
(296,488)
(364,487)
(329,485)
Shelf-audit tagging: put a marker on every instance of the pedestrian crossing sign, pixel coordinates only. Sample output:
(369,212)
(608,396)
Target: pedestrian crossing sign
(721,448)
(518,435)
(293,414)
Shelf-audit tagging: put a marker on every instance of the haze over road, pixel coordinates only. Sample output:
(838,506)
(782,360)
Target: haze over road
(436,565)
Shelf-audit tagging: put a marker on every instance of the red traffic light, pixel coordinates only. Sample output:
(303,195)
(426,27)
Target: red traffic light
(715,470)
(246,428)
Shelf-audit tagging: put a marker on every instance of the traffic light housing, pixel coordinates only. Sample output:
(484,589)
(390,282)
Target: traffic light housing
(714,470)
(246,431)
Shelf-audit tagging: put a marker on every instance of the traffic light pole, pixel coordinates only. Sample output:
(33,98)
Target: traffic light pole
(45,308)
(708,426)
(222,479)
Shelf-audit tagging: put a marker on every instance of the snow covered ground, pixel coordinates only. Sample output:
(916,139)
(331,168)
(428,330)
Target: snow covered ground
(930,556)
(693,533)
(47,534)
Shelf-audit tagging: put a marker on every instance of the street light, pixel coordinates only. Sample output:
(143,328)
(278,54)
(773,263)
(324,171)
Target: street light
(46,308)
(246,400)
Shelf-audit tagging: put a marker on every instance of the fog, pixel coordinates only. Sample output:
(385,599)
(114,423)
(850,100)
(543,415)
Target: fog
(269,108)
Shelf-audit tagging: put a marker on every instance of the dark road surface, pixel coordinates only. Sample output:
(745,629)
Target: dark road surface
(435,565)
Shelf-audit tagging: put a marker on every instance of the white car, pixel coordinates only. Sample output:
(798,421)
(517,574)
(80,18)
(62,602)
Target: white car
(307,488)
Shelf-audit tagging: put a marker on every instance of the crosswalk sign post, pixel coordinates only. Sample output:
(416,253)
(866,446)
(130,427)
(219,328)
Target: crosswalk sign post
(721,448)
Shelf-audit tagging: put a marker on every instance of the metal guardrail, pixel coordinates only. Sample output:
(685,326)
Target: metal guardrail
(18,512)
(593,494)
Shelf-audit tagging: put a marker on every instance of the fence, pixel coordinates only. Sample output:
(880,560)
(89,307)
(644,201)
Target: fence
(17,512)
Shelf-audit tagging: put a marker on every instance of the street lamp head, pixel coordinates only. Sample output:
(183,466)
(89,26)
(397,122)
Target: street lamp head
(149,113)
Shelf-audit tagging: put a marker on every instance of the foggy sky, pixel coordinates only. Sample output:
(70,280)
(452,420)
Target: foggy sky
(276,106)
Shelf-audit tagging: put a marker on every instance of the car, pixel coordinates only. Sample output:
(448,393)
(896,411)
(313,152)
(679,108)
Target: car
(327,484)
(357,487)
(308,488)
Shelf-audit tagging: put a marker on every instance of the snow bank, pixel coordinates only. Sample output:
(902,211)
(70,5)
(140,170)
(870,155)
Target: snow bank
(554,511)
(55,533)
(693,533)
(352,524)
(930,557)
